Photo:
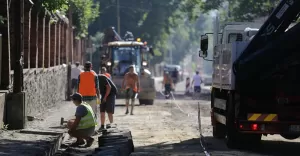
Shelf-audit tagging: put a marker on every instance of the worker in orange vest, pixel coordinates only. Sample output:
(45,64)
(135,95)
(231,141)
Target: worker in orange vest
(88,86)
(104,72)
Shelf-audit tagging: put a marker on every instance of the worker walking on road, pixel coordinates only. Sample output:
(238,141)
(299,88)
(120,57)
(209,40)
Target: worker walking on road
(83,126)
(104,72)
(108,92)
(197,80)
(88,86)
(187,85)
(75,72)
(131,85)
(167,84)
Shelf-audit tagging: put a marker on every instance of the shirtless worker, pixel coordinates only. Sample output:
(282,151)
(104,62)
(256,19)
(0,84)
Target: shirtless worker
(131,85)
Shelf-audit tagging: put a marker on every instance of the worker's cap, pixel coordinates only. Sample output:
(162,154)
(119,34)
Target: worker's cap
(88,64)
(76,96)
(103,69)
(131,66)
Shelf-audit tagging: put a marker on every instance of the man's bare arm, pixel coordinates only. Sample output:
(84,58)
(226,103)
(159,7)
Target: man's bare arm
(108,89)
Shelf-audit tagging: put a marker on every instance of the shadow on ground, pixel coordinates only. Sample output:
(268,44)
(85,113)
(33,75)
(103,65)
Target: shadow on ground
(191,146)
(25,148)
(267,147)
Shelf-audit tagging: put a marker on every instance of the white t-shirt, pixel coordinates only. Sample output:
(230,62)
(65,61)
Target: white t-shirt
(75,72)
(197,80)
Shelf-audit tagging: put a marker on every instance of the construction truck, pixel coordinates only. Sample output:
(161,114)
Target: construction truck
(118,54)
(256,77)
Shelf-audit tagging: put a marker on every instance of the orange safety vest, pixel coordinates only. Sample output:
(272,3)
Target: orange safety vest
(87,84)
(107,75)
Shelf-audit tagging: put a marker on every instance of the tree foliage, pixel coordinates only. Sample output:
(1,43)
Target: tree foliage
(152,20)
(84,12)
(241,10)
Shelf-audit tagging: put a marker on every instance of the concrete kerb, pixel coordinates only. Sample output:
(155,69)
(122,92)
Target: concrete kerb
(30,142)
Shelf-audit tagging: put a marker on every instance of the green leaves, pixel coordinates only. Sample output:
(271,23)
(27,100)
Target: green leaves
(84,12)
(53,5)
(241,10)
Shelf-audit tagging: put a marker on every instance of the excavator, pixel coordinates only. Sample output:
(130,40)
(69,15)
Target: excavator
(117,54)
(256,78)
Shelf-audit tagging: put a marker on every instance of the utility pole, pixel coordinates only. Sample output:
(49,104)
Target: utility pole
(19,21)
(118,17)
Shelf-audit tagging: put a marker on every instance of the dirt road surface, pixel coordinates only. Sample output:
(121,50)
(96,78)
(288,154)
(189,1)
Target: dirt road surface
(171,128)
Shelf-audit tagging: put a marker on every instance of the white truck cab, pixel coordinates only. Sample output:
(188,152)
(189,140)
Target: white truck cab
(228,43)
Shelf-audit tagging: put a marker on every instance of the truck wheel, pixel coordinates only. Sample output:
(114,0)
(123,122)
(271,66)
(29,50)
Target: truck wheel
(149,102)
(289,136)
(142,101)
(232,138)
(219,130)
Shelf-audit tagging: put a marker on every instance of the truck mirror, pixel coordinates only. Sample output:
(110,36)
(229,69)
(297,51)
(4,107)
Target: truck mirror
(203,46)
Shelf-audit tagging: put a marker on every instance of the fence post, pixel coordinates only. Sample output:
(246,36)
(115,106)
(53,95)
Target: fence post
(55,44)
(44,24)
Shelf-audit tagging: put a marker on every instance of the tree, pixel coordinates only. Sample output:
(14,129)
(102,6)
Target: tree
(151,20)
(84,12)
(241,10)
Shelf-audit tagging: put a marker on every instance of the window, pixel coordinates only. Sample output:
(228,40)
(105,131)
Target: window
(232,37)
(123,57)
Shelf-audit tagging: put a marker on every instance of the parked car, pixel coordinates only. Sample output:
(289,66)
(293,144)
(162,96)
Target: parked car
(171,68)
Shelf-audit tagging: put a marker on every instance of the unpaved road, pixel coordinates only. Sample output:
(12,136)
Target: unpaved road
(171,128)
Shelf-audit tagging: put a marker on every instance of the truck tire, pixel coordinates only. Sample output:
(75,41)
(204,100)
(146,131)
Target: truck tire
(219,130)
(232,138)
(146,101)
(289,136)
(149,102)
(142,101)
(235,139)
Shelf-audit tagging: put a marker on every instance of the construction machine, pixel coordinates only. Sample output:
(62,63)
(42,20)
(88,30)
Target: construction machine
(118,54)
(256,72)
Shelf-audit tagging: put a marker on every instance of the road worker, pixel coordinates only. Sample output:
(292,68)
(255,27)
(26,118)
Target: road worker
(108,92)
(104,72)
(197,80)
(88,86)
(83,126)
(167,84)
(75,72)
(131,85)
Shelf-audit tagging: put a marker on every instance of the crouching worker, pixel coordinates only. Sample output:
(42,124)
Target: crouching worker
(83,127)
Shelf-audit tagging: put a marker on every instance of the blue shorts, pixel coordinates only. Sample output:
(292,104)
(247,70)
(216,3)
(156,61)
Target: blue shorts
(197,89)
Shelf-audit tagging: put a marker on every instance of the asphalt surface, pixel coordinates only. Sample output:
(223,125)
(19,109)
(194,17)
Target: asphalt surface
(271,145)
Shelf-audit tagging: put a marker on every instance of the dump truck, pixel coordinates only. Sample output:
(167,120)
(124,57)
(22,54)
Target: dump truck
(256,77)
(118,54)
